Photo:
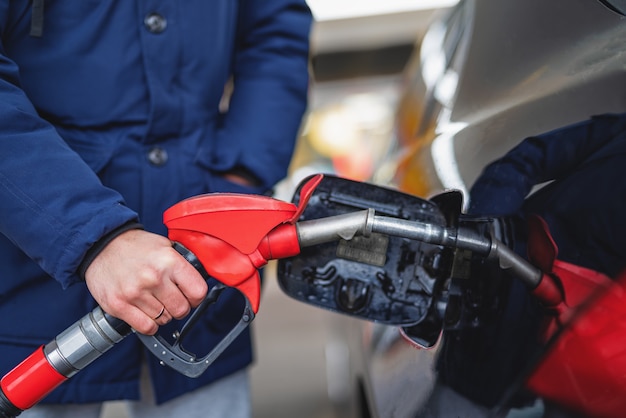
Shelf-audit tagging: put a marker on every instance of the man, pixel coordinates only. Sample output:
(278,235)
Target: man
(111,112)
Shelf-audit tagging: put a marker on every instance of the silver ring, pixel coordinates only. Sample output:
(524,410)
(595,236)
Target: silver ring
(160,313)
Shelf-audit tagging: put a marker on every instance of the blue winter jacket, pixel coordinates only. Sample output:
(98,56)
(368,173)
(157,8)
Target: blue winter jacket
(112,111)
(585,202)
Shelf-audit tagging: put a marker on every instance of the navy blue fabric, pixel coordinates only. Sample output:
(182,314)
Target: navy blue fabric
(585,202)
(584,206)
(82,106)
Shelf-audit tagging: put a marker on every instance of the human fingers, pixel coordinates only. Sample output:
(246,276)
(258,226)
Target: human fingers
(140,272)
(175,303)
(169,289)
(160,314)
(180,287)
(190,284)
(157,311)
(136,318)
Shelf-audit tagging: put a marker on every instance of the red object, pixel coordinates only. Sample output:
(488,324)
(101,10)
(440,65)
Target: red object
(564,286)
(233,235)
(584,368)
(31,380)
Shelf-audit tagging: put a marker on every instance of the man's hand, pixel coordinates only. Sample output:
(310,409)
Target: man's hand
(140,279)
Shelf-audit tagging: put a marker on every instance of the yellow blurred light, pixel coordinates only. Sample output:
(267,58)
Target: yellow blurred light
(332,131)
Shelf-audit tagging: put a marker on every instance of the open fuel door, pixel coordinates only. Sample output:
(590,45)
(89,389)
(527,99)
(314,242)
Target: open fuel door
(382,278)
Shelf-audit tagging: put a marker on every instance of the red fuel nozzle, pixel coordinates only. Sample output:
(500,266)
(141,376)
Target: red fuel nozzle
(233,235)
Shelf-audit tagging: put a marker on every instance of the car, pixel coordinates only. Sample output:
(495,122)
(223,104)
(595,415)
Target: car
(491,73)
(485,75)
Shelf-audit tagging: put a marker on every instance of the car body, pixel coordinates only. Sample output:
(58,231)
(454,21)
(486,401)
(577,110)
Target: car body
(487,74)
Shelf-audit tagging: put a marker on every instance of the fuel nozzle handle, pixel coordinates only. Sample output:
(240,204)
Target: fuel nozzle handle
(226,236)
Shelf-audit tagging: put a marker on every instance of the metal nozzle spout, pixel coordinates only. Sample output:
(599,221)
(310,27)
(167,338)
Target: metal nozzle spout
(333,228)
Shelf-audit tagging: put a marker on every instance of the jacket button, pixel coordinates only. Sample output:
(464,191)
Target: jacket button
(157,156)
(155,23)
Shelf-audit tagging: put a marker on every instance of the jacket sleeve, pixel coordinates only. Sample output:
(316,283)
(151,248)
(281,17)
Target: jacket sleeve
(52,205)
(505,183)
(270,87)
